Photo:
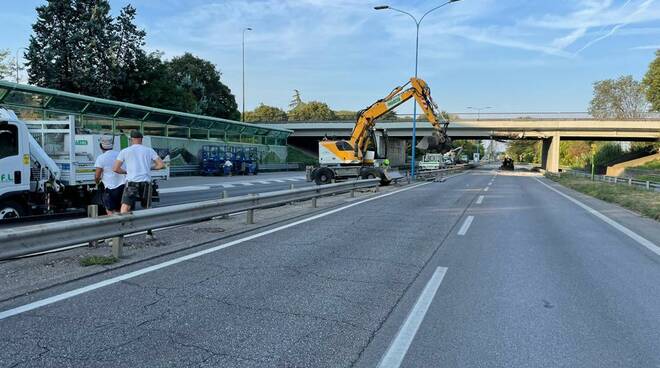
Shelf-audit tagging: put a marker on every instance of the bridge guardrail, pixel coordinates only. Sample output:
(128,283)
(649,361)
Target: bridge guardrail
(649,185)
(40,238)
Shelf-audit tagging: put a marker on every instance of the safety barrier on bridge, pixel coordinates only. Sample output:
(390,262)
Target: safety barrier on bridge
(40,238)
(649,185)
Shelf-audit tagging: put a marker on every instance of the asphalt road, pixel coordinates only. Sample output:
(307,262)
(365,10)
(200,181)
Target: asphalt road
(431,276)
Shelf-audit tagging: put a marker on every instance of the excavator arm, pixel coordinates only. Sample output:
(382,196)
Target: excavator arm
(419,90)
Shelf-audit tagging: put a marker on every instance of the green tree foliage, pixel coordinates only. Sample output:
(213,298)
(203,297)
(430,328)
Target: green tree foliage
(77,46)
(312,111)
(130,62)
(575,154)
(470,147)
(606,153)
(201,79)
(266,113)
(623,98)
(347,115)
(524,151)
(5,64)
(652,83)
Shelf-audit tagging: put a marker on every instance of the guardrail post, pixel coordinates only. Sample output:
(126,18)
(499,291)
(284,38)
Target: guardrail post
(224,195)
(250,213)
(630,182)
(93,211)
(352,193)
(314,204)
(648,184)
(118,246)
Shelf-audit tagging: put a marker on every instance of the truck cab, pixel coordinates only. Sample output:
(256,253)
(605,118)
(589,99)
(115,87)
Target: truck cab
(14,166)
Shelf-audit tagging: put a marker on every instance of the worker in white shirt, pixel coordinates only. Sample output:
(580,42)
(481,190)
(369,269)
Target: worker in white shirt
(139,160)
(113,182)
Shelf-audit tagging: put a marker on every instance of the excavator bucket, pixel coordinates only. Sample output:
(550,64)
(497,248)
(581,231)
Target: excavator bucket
(435,142)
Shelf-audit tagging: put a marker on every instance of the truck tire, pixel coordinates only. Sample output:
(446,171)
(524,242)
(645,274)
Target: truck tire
(323,176)
(370,173)
(11,209)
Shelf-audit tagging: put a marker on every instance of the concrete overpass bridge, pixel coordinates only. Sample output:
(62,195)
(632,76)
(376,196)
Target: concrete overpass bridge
(550,131)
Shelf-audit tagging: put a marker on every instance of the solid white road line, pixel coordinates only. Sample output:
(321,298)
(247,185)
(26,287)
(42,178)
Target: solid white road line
(245,183)
(227,185)
(466,225)
(636,237)
(278,180)
(399,346)
(183,189)
(130,275)
(480,199)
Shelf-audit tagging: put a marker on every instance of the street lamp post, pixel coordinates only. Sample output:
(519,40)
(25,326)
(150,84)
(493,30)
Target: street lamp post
(417,24)
(243,48)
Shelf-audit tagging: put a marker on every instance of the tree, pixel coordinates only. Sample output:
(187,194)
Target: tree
(129,59)
(524,151)
(623,98)
(470,147)
(52,54)
(266,114)
(159,88)
(312,111)
(575,154)
(202,79)
(5,65)
(652,83)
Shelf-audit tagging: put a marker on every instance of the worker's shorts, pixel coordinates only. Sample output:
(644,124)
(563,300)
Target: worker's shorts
(137,191)
(112,198)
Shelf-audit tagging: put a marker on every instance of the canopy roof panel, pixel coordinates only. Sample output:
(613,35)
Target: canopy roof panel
(21,95)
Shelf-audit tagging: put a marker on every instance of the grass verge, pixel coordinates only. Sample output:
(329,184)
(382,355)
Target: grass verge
(641,201)
(98,260)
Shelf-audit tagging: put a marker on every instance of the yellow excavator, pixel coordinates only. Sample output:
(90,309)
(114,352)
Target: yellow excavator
(355,157)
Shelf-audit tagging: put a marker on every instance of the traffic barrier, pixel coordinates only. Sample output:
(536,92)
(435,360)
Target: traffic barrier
(629,181)
(40,238)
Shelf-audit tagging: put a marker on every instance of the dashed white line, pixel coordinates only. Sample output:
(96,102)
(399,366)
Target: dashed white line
(183,189)
(486,189)
(246,183)
(227,185)
(636,237)
(399,346)
(69,294)
(480,199)
(466,225)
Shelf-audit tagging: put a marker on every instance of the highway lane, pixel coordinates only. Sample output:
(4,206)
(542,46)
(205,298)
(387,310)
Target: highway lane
(524,285)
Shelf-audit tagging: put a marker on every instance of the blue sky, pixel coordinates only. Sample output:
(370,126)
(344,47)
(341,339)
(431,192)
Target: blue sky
(513,55)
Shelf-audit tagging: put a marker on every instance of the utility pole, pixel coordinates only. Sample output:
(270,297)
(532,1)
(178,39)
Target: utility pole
(243,48)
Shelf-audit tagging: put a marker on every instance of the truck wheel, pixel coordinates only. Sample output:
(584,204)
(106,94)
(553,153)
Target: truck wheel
(11,209)
(323,176)
(370,173)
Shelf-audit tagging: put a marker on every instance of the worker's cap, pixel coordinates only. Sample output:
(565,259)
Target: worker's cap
(106,142)
(136,134)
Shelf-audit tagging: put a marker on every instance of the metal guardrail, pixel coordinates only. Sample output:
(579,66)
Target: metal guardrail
(649,185)
(194,169)
(40,238)
(184,170)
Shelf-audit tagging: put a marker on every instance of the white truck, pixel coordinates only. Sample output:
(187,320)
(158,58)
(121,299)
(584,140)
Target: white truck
(46,168)
(432,161)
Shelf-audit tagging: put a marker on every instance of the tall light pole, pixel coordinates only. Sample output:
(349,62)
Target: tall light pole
(17,68)
(479,110)
(243,112)
(417,23)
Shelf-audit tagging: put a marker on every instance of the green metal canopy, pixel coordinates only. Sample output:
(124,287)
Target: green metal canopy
(24,96)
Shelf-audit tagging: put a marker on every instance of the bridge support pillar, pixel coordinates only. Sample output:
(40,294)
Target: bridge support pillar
(550,153)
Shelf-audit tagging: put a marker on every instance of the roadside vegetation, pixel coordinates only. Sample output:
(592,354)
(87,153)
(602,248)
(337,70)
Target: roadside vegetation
(641,201)
(98,260)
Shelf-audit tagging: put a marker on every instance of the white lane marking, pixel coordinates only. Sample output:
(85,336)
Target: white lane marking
(245,183)
(227,185)
(263,182)
(183,189)
(294,179)
(466,225)
(130,275)
(278,180)
(486,189)
(399,346)
(480,199)
(636,237)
